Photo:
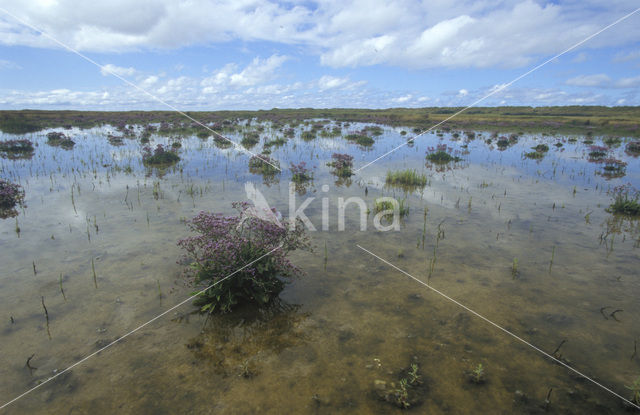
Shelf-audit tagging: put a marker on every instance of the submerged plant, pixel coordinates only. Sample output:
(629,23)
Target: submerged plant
(635,389)
(244,255)
(382,205)
(477,374)
(402,395)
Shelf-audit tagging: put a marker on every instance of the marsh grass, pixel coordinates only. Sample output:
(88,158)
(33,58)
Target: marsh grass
(625,202)
(382,205)
(406,178)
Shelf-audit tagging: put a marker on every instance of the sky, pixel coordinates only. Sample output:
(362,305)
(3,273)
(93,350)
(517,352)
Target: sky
(262,54)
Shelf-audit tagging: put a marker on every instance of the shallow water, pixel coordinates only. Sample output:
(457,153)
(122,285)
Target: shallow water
(337,330)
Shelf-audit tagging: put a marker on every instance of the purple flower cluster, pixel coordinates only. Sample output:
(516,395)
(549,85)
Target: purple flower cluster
(225,244)
(11,194)
(300,172)
(342,164)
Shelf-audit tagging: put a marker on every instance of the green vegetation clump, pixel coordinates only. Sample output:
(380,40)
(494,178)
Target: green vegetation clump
(58,139)
(342,165)
(222,142)
(382,205)
(276,142)
(541,148)
(159,157)
(536,155)
(264,165)
(441,154)
(308,135)
(409,178)
(441,157)
(361,139)
(539,152)
(633,148)
(625,201)
(250,139)
(612,141)
(635,390)
(374,130)
(16,149)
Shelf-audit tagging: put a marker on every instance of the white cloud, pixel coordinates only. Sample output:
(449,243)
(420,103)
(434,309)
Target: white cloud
(589,80)
(408,33)
(626,57)
(604,81)
(109,70)
(5,64)
(580,57)
(403,99)
(330,82)
(628,82)
(255,73)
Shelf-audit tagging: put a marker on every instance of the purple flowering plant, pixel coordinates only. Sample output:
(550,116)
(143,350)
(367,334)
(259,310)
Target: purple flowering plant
(11,194)
(300,172)
(342,164)
(223,247)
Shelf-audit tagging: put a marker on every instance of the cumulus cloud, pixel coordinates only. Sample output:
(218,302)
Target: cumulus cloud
(589,80)
(408,33)
(109,69)
(257,72)
(604,81)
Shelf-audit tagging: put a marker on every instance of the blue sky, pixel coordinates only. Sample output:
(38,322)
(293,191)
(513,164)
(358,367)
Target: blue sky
(259,54)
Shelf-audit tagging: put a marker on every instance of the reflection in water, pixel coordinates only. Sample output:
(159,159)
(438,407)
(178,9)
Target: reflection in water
(239,341)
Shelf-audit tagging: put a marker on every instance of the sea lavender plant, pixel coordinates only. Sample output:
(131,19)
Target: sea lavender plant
(11,194)
(224,247)
(300,172)
(342,164)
